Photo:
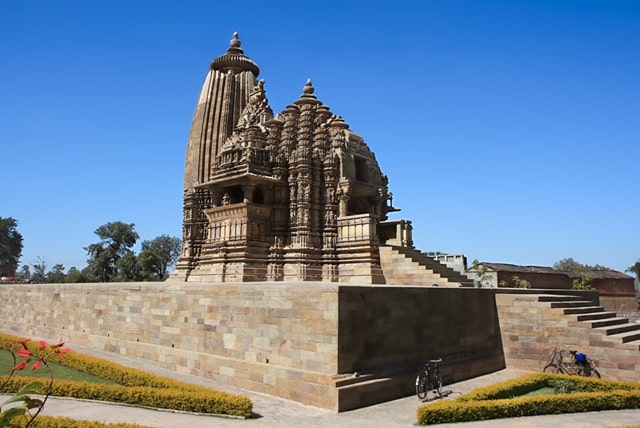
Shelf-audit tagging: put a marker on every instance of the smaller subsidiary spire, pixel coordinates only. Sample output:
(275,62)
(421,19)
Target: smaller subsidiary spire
(338,122)
(308,96)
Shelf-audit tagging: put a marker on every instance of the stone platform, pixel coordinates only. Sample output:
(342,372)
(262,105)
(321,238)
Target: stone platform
(333,346)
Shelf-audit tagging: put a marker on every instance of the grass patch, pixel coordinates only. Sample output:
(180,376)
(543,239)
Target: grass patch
(542,391)
(59,372)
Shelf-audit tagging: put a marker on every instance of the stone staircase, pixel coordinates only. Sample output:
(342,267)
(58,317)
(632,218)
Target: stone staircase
(408,266)
(532,324)
(605,322)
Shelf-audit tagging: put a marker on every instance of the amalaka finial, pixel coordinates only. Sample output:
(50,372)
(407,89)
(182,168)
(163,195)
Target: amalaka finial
(235,41)
(307,96)
(308,87)
(234,59)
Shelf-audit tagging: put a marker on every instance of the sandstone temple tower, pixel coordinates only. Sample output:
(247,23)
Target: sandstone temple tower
(294,197)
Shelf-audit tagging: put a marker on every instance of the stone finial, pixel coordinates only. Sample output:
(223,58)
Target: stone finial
(235,41)
(338,122)
(308,87)
(234,60)
(234,45)
(308,96)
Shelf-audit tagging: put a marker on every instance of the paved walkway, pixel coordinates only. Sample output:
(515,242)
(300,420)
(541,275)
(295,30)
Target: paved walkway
(275,412)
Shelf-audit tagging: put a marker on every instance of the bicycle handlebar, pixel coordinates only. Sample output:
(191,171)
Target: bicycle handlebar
(428,364)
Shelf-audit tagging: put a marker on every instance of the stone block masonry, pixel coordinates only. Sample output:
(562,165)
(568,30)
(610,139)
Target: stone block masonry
(333,346)
(274,339)
(532,325)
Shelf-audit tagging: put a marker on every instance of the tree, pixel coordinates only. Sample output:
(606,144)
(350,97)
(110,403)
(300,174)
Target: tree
(582,273)
(568,265)
(149,266)
(117,238)
(39,275)
(10,246)
(520,282)
(56,275)
(166,250)
(75,276)
(635,269)
(128,268)
(583,282)
(517,282)
(483,277)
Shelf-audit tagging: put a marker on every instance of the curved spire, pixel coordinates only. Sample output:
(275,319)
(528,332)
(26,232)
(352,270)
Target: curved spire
(235,60)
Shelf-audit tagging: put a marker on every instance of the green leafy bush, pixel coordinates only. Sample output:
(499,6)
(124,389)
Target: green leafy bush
(503,400)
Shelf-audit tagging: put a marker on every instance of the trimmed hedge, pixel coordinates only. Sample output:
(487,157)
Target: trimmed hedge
(62,422)
(503,400)
(136,387)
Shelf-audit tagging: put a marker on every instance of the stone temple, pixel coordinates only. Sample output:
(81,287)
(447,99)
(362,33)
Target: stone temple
(293,197)
(286,240)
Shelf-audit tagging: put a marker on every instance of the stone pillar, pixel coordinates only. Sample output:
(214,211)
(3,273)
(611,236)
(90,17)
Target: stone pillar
(248,192)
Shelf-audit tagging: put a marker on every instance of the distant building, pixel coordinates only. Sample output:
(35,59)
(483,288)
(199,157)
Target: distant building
(616,289)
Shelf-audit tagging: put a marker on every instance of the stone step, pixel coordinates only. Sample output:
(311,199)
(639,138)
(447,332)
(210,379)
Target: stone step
(559,298)
(596,316)
(609,322)
(627,336)
(406,266)
(571,304)
(620,328)
(429,263)
(583,310)
(345,380)
(635,343)
(372,391)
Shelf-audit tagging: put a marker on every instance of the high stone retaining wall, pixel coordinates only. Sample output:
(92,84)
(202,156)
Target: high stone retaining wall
(334,346)
(328,345)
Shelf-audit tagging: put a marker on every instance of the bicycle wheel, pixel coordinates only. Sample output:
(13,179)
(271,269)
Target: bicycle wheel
(545,360)
(421,385)
(589,371)
(437,384)
(551,368)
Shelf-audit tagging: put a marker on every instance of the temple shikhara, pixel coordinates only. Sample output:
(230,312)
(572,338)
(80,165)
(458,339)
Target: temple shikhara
(295,196)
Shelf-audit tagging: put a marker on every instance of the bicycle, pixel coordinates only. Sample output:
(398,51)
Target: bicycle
(429,380)
(558,364)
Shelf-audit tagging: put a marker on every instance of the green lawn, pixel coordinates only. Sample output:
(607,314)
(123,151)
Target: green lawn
(541,391)
(59,372)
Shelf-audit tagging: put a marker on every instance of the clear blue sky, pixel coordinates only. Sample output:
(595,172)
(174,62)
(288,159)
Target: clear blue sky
(510,130)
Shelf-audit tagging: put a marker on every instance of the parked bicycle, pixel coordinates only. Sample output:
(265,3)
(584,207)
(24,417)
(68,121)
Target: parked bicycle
(571,363)
(429,380)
